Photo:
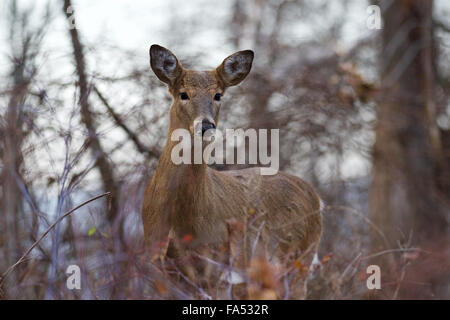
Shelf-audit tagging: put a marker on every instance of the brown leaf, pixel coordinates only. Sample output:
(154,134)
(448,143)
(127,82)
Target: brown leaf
(161,288)
(300,266)
(326,258)
(187,238)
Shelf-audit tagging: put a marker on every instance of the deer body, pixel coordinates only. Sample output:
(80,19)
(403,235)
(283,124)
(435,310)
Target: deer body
(197,201)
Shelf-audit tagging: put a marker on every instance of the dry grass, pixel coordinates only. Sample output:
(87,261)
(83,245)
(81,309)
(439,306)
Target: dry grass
(121,269)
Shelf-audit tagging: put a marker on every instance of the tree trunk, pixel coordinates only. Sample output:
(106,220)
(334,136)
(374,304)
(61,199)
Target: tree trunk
(12,160)
(103,164)
(404,201)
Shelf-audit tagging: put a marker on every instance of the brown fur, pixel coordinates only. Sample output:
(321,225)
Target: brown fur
(198,201)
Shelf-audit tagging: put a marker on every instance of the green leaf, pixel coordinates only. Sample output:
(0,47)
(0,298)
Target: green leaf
(104,235)
(91,231)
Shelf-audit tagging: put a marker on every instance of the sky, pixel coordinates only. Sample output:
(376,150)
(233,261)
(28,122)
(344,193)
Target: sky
(136,24)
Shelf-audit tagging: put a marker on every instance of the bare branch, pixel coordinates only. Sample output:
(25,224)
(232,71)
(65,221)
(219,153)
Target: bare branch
(8,271)
(133,137)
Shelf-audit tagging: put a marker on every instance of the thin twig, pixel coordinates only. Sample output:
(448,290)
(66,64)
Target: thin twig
(393,251)
(8,271)
(255,243)
(402,277)
(367,220)
(347,269)
(133,137)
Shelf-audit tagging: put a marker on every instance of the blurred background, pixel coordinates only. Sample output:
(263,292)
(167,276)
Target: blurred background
(363,113)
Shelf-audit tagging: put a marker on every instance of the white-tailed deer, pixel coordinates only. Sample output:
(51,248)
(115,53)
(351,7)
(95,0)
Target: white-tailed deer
(195,201)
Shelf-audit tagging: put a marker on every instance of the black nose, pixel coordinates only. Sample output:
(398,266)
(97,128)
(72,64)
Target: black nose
(206,125)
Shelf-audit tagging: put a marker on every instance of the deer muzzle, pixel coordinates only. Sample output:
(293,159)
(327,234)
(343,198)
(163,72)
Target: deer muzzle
(202,125)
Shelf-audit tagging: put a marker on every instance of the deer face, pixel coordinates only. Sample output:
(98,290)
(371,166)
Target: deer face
(197,94)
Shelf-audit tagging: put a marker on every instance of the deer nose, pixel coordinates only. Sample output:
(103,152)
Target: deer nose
(206,125)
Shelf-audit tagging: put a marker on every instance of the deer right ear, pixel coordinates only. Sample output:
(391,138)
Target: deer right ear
(164,64)
(236,67)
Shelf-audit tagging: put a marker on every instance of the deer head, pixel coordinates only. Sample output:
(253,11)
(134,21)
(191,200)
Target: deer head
(197,94)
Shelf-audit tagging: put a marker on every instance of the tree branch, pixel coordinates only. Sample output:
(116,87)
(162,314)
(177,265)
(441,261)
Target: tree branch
(133,137)
(103,164)
(11,268)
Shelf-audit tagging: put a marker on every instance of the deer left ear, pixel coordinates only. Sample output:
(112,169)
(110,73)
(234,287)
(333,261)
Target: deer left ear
(236,67)
(164,64)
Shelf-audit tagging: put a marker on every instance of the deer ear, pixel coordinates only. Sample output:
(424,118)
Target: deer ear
(236,67)
(164,64)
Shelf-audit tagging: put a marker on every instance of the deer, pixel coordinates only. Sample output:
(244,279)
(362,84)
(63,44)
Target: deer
(198,202)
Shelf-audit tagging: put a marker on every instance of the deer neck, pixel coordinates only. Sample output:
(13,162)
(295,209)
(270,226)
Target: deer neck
(181,188)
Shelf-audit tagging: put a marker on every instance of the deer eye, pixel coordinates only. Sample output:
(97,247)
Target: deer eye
(217,97)
(184,96)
